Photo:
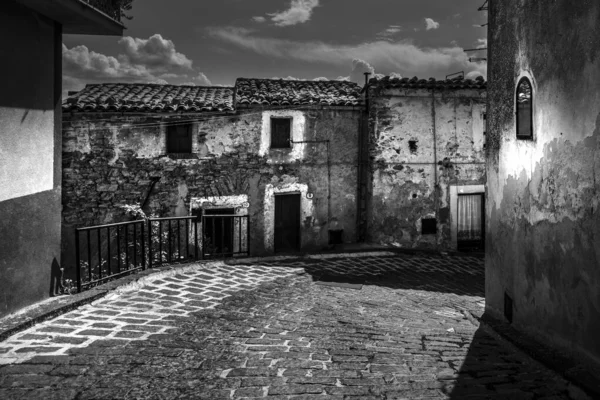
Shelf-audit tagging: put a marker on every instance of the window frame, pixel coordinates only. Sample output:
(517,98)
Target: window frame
(429,228)
(190,129)
(272,133)
(522,80)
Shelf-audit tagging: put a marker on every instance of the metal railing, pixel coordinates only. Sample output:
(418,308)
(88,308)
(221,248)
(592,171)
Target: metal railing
(225,236)
(111,250)
(112,8)
(164,240)
(105,252)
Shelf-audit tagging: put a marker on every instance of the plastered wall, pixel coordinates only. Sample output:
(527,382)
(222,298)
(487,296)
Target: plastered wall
(420,144)
(543,230)
(29,157)
(108,162)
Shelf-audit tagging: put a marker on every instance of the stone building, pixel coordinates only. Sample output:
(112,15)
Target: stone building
(543,223)
(427,162)
(292,155)
(285,154)
(30,141)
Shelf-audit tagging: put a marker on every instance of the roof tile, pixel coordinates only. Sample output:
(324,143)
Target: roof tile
(280,92)
(138,97)
(415,83)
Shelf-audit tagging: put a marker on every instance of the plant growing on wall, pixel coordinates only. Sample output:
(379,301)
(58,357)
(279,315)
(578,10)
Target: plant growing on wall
(124,7)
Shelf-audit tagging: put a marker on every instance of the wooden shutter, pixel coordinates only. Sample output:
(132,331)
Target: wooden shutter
(280,132)
(179,138)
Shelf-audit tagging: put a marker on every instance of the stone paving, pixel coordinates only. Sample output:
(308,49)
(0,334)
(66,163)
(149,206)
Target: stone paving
(265,329)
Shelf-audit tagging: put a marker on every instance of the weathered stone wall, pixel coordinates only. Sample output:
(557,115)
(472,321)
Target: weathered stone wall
(29,156)
(543,224)
(417,139)
(109,160)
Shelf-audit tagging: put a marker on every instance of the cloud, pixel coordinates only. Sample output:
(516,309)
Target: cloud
(80,62)
(259,19)
(159,82)
(390,31)
(359,68)
(203,80)
(482,43)
(402,56)
(155,51)
(171,75)
(152,60)
(300,11)
(431,24)
(473,75)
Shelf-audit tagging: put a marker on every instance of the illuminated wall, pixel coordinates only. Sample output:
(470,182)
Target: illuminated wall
(543,224)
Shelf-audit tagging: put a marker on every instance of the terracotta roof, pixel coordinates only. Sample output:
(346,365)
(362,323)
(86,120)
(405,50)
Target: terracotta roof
(279,92)
(138,97)
(416,83)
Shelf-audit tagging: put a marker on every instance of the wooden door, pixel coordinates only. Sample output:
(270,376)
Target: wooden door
(287,222)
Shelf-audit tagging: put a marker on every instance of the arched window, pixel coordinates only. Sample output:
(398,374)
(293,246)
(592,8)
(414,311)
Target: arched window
(524,109)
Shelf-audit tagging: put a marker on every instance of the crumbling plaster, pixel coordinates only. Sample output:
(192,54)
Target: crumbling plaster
(407,164)
(543,225)
(287,185)
(239,203)
(122,154)
(297,134)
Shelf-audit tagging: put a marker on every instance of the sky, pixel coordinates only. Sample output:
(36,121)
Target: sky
(206,42)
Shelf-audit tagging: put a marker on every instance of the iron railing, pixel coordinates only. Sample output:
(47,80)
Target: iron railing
(112,8)
(225,236)
(111,250)
(105,252)
(164,240)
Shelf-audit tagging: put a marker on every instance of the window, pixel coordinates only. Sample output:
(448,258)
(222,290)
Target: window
(280,133)
(428,226)
(470,232)
(412,146)
(179,139)
(484,116)
(524,102)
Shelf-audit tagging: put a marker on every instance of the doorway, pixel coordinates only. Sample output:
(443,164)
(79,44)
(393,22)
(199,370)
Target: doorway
(218,231)
(471,222)
(287,222)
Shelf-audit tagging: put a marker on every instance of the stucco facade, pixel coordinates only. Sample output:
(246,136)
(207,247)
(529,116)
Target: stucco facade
(109,159)
(30,144)
(543,224)
(426,147)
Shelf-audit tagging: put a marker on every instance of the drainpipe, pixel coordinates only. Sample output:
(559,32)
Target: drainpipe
(435,171)
(361,158)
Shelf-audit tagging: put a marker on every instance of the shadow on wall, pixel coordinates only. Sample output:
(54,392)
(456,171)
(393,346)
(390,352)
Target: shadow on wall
(56,279)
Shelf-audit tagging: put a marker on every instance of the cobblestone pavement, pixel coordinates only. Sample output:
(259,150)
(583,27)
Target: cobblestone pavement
(265,329)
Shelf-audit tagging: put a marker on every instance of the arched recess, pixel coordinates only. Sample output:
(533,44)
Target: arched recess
(524,109)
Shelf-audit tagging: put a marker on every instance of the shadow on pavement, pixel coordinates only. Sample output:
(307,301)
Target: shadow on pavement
(492,370)
(458,275)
